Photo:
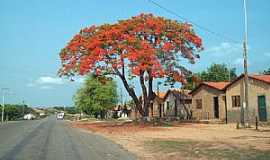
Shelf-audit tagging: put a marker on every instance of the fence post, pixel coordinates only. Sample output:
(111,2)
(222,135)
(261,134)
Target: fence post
(256,122)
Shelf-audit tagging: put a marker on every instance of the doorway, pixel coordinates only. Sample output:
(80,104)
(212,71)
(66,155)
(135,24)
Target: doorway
(160,110)
(216,108)
(262,108)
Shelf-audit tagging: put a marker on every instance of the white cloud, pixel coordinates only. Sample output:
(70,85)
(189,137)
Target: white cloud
(46,87)
(49,80)
(46,82)
(224,48)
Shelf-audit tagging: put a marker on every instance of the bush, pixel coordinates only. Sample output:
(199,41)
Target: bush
(15,111)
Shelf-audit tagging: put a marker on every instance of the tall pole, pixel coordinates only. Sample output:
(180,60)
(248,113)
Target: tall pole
(245,117)
(3,104)
(23,106)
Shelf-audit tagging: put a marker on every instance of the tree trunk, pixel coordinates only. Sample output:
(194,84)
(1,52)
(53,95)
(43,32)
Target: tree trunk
(132,94)
(144,96)
(141,105)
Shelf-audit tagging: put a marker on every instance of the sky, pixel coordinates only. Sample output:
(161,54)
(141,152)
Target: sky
(33,32)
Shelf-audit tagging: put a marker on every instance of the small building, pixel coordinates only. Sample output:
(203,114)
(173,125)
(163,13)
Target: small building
(177,104)
(157,107)
(208,101)
(258,98)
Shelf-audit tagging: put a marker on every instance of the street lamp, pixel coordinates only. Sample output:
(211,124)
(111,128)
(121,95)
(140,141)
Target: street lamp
(3,103)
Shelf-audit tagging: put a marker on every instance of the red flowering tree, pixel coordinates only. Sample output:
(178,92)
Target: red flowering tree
(145,46)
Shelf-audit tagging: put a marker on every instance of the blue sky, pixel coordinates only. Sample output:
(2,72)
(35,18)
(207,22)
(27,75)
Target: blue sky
(33,32)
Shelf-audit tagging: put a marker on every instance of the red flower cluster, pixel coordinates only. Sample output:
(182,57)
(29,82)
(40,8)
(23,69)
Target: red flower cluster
(142,43)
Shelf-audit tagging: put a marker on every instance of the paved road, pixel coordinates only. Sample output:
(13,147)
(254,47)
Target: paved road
(49,139)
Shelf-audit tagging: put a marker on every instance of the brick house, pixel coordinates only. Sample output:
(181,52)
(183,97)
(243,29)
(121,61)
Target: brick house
(171,104)
(259,98)
(223,100)
(157,108)
(177,103)
(208,101)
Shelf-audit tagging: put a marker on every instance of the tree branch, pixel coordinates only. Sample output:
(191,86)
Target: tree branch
(130,91)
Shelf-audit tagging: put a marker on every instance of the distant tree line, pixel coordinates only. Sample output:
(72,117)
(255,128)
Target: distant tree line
(267,72)
(214,73)
(16,111)
(69,110)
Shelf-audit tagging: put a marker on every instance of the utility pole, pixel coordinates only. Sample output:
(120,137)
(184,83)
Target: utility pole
(244,108)
(23,106)
(3,104)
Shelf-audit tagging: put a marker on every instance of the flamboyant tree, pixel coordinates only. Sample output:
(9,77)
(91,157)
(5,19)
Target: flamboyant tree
(144,47)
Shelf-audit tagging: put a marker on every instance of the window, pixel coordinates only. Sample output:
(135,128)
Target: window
(236,102)
(199,103)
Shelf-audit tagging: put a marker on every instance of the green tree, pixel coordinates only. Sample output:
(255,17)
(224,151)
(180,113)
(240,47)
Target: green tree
(96,96)
(266,72)
(214,73)
(144,47)
(16,111)
(71,110)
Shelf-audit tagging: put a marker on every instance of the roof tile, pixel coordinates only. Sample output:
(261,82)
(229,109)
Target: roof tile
(217,85)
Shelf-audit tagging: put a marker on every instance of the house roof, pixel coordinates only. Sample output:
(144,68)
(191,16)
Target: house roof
(178,93)
(215,85)
(160,94)
(262,78)
(224,85)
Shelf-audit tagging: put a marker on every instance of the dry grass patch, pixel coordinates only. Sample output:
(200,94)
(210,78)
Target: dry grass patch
(189,149)
(185,140)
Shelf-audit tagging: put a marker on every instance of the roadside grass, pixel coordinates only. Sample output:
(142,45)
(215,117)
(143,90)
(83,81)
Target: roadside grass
(189,149)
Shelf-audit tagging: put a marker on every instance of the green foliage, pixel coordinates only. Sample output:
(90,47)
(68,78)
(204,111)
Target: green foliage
(218,73)
(72,110)
(130,103)
(98,94)
(69,110)
(266,72)
(215,73)
(15,111)
(59,108)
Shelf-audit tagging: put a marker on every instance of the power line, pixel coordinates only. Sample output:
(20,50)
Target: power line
(195,24)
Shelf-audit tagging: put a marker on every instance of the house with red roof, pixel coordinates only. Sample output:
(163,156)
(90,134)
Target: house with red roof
(172,104)
(157,107)
(177,104)
(258,98)
(223,100)
(208,101)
